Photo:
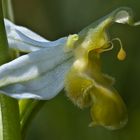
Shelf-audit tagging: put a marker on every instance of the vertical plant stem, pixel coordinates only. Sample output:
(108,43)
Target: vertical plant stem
(4,53)
(9,111)
(8,10)
(28,110)
(9,114)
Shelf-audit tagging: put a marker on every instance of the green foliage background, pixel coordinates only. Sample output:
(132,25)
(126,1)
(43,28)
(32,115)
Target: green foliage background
(60,119)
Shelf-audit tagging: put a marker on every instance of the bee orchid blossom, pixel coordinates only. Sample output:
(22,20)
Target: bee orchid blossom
(72,62)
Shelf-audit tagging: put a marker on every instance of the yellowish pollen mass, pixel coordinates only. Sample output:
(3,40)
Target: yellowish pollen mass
(121,54)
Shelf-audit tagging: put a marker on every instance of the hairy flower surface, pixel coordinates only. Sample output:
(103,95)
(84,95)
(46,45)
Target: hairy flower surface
(72,62)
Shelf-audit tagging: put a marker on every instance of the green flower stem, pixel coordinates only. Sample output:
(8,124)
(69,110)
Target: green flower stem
(28,110)
(9,122)
(8,13)
(9,111)
(8,10)
(4,53)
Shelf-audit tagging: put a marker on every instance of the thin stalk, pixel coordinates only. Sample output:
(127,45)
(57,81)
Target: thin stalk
(8,10)
(28,110)
(9,111)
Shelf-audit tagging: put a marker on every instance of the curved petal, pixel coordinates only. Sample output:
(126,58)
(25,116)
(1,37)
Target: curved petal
(25,40)
(39,74)
(45,87)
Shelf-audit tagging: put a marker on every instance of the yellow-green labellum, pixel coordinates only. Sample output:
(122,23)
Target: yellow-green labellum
(86,84)
(108,109)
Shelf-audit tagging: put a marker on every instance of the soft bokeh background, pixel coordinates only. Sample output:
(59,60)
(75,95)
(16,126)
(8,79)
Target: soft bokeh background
(59,119)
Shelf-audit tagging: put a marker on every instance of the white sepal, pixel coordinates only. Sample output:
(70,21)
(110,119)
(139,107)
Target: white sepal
(39,74)
(25,40)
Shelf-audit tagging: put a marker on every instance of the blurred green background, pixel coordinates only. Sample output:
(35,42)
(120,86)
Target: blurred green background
(59,119)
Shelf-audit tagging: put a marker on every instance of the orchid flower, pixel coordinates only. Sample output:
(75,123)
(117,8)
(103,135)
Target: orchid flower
(72,62)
